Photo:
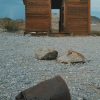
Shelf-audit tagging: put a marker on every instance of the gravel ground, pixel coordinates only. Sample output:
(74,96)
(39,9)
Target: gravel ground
(20,70)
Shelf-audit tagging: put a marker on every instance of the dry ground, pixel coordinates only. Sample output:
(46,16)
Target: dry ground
(20,70)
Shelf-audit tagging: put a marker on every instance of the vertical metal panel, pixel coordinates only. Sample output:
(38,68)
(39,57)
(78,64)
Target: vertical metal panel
(77,16)
(38,15)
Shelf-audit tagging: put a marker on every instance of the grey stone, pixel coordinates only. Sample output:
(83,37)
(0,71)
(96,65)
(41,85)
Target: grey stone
(63,59)
(75,56)
(46,54)
(72,57)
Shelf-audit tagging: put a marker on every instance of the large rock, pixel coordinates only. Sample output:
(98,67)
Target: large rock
(46,54)
(76,56)
(72,57)
(52,89)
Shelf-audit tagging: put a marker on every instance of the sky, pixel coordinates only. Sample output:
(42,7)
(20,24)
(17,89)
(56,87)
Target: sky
(15,9)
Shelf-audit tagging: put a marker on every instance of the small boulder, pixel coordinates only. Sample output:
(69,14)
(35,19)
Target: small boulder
(46,54)
(75,56)
(72,57)
(63,59)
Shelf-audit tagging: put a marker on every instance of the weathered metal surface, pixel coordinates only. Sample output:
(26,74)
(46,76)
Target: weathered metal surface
(52,89)
(74,16)
(77,17)
(38,15)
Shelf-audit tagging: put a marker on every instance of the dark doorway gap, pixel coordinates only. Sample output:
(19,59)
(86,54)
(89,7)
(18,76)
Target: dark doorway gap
(57,13)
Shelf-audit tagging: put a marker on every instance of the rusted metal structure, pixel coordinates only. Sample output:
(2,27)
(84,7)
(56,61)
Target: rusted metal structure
(74,16)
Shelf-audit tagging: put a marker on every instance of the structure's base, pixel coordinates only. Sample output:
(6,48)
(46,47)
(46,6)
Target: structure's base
(48,34)
(60,34)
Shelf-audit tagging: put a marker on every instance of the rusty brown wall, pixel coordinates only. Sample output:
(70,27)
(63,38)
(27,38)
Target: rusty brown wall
(77,17)
(38,15)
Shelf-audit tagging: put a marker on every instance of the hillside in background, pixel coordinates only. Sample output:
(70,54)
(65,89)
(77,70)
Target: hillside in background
(12,25)
(95,19)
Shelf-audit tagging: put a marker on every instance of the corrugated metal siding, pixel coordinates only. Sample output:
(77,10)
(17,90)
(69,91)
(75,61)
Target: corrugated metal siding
(76,15)
(38,16)
(77,18)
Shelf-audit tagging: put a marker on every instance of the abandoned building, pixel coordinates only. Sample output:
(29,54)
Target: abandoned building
(74,16)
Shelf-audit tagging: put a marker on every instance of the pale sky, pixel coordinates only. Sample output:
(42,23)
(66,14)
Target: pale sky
(95,5)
